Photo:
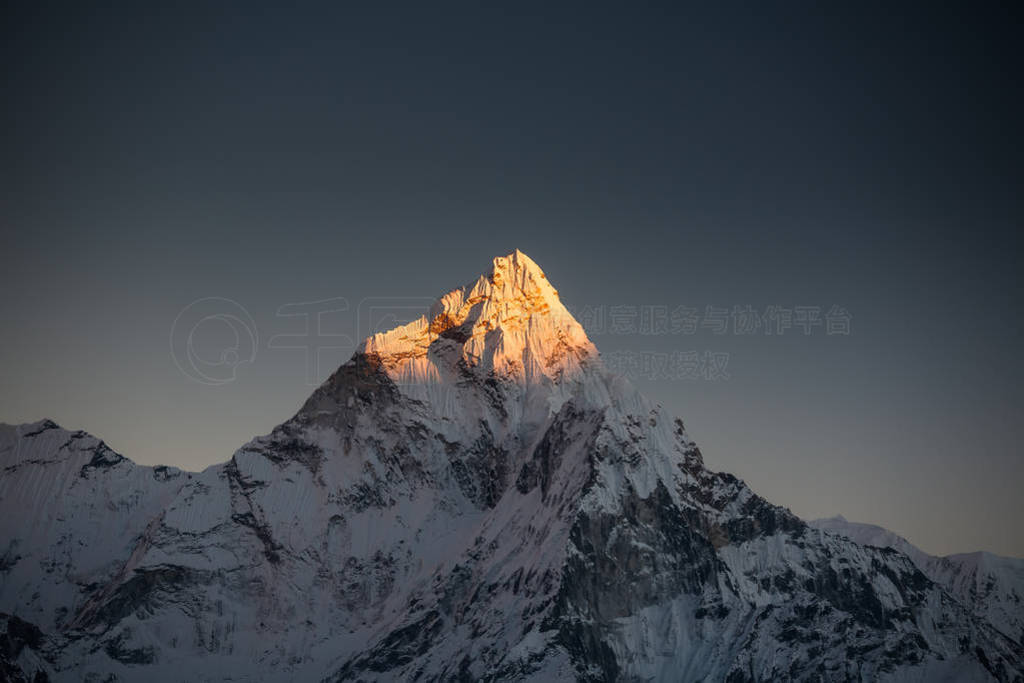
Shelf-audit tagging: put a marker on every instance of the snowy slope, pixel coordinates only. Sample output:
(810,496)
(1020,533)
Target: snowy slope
(991,585)
(471,497)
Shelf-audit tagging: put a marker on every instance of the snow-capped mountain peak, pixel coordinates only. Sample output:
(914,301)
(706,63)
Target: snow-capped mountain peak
(508,322)
(471,497)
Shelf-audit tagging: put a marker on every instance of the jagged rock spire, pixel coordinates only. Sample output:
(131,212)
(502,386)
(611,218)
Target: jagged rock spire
(509,321)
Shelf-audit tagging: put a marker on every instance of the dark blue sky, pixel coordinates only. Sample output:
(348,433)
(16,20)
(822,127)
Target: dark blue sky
(861,154)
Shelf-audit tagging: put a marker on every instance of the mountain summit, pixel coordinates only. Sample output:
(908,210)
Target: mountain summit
(473,496)
(509,322)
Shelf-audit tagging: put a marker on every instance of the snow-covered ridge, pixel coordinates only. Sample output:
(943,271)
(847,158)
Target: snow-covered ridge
(993,585)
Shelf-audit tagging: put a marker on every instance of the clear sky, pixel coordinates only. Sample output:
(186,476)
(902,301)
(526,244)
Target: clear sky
(853,154)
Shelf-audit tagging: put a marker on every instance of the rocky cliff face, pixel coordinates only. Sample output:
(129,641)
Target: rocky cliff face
(471,497)
(990,585)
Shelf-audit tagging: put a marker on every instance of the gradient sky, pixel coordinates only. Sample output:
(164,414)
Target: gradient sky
(861,155)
